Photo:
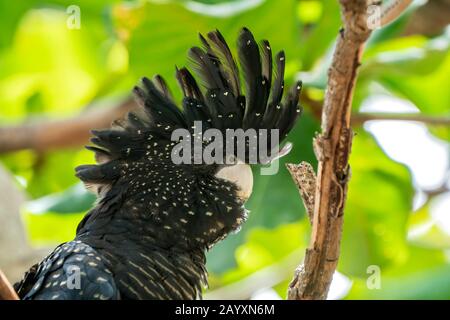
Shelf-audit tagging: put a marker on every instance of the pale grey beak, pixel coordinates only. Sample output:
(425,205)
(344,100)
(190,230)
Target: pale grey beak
(241,175)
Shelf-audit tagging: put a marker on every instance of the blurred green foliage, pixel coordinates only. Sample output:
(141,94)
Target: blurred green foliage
(50,71)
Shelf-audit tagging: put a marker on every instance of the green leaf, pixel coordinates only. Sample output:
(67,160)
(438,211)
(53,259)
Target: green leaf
(49,176)
(74,199)
(411,68)
(317,41)
(393,30)
(265,247)
(442,132)
(159,35)
(9,21)
(54,218)
(379,202)
(47,173)
(51,228)
(51,69)
(310,11)
(423,275)
(425,232)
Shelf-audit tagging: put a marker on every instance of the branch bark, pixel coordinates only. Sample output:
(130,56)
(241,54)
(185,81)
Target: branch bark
(6,290)
(332,148)
(56,134)
(393,10)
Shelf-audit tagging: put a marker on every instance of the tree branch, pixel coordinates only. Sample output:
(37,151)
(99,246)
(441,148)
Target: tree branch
(56,134)
(305,180)
(6,290)
(429,20)
(359,118)
(332,148)
(393,10)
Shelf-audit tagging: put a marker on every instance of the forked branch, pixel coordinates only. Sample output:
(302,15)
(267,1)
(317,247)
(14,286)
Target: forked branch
(332,147)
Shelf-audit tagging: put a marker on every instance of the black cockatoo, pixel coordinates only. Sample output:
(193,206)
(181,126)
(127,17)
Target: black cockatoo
(154,219)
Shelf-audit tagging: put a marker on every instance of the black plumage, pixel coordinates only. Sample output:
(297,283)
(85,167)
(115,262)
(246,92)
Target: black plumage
(147,235)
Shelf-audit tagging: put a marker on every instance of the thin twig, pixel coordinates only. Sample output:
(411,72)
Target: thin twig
(359,118)
(393,10)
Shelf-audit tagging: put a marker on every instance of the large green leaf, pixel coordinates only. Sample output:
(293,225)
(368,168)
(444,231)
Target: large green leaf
(53,70)
(53,219)
(317,41)
(263,249)
(425,232)
(74,199)
(423,275)
(9,21)
(278,251)
(158,34)
(51,228)
(414,68)
(379,202)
